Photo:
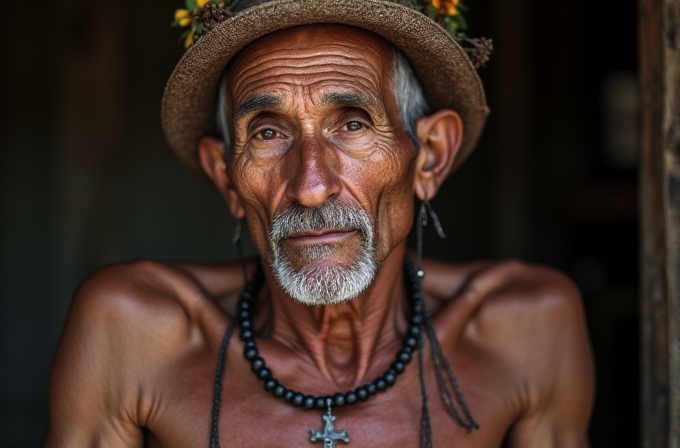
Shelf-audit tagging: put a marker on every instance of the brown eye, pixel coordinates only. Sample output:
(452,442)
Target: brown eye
(353,126)
(268,134)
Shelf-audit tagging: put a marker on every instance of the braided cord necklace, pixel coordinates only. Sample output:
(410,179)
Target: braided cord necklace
(449,390)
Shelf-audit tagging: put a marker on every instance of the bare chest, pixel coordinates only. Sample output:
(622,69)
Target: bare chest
(251,417)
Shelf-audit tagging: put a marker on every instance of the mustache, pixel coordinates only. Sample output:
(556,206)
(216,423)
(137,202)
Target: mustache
(331,215)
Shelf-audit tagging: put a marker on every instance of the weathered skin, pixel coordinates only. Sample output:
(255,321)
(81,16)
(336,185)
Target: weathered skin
(137,358)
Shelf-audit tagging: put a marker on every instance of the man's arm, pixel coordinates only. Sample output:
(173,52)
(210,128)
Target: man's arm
(558,360)
(529,320)
(108,351)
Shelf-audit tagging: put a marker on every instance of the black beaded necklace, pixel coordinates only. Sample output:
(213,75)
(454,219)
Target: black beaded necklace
(420,328)
(361,393)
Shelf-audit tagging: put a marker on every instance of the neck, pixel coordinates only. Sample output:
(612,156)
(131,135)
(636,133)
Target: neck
(350,342)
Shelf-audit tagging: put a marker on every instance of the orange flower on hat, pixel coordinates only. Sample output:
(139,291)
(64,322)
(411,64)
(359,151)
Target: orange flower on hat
(446,7)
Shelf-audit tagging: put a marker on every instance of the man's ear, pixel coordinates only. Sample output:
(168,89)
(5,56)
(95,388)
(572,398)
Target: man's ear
(440,136)
(211,155)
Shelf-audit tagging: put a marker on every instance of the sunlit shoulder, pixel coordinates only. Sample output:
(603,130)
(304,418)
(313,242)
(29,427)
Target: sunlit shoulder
(507,298)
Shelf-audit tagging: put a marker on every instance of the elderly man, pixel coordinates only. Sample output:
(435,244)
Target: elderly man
(317,121)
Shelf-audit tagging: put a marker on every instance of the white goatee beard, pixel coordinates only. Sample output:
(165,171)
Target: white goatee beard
(328,284)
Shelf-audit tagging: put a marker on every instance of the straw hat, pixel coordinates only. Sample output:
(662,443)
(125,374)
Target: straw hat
(448,77)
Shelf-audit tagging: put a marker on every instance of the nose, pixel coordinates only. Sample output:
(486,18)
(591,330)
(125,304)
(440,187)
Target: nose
(314,174)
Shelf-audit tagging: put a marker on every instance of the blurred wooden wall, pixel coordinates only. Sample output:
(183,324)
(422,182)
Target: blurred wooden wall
(660,203)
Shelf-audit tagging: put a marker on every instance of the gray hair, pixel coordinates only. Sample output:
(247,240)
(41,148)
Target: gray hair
(409,95)
(407,92)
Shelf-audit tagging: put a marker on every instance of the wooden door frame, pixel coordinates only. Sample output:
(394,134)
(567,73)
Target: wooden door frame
(659,207)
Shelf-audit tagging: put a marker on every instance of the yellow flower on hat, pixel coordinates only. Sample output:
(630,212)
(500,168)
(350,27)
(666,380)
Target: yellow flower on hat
(183,17)
(197,16)
(189,40)
(446,7)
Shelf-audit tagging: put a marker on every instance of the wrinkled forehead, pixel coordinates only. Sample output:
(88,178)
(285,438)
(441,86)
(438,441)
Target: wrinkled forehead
(313,53)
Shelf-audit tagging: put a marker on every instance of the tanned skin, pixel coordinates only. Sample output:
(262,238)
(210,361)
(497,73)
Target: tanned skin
(137,359)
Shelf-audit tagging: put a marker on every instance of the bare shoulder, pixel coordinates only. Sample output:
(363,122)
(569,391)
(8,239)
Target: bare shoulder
(504,296)
(131,295)
(525,311)
(508,306)
(535,295)
(172,296)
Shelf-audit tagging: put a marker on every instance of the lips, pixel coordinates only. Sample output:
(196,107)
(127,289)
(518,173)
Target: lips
(321,236)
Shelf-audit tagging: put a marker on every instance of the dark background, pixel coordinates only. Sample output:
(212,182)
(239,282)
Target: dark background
(86,178)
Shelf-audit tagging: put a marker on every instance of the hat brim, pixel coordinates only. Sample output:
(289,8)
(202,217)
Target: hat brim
(446,74)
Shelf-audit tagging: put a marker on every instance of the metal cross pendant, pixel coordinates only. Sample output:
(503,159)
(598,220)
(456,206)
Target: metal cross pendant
(329,436)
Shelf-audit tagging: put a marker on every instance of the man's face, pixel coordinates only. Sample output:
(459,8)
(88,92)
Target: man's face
(320,160)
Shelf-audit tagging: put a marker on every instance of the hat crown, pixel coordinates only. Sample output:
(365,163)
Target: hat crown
(241,5)
(443,67)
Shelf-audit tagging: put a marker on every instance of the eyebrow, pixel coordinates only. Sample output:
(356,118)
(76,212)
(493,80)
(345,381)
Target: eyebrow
(255,103)
(345,99)
(352,100)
